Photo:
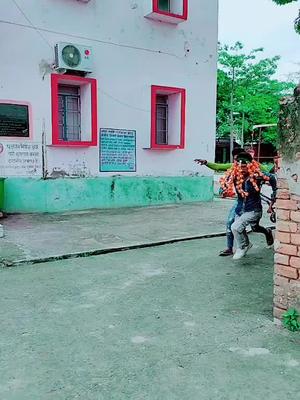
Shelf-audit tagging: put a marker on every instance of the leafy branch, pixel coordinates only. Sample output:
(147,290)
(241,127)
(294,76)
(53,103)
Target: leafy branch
(283,2)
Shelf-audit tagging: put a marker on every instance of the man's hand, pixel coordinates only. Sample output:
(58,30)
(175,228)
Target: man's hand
(270,209)
(201,162)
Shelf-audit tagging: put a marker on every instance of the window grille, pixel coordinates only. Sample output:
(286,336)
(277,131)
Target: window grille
(162,119)
(69,110)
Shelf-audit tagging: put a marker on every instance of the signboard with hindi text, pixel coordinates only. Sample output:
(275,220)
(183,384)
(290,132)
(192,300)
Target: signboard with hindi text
(117,150)
(14,120)
(20,159)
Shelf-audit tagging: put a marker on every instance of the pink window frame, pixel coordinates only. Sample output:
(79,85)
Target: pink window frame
(155,90)
(57,79)
(183,16)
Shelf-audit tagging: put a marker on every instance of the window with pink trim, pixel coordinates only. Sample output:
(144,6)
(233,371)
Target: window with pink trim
(168,106)
(172,11)
(74,111)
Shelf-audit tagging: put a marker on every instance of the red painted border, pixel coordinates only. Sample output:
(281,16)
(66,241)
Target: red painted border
(56,79)
(167,90)
(183,16)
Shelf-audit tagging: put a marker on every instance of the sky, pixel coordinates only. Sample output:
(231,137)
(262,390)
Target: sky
(261,23)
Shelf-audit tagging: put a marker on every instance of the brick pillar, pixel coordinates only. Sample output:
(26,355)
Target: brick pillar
(287,243)
(287,249)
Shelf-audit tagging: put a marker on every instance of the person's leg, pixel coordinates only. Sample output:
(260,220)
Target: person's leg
(229,235)
(256,228)
(230,221)
(240,233)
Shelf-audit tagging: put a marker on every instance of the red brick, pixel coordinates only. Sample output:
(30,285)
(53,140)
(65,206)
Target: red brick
(287,249)
(295,238)
(295,216)
(287,204)
(283,215)
(295,197)
(282,259)
(283,194)
(280,300)
(288,272)
(280,281)
(295,262)
(295,281)
(277,312)
(282,183)
(287,226)
(284,237)
(279,290)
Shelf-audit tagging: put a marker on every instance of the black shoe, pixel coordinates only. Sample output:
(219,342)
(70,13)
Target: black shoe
(269,238)
(226,252)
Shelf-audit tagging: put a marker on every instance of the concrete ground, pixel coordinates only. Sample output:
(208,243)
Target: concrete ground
(165,323)
(35,236)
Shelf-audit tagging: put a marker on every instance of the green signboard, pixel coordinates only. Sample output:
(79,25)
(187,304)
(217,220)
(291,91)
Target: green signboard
(117,150)
(14,120)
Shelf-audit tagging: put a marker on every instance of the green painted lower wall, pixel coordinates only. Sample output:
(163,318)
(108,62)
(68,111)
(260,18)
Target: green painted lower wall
(57,195)
(1,193)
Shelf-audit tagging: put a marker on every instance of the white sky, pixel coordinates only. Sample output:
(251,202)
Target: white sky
(261,23)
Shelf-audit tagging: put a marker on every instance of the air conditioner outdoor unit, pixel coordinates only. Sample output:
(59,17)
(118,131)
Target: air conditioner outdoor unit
(73,57)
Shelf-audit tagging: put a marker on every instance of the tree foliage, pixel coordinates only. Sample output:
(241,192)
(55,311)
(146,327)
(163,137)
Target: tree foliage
(247,92)
(283,2)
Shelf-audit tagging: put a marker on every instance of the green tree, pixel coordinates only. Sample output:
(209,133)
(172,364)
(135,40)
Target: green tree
(297,20)
(247,92)
(283,2)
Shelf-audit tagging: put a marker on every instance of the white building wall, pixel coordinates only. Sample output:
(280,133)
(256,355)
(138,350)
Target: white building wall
(131,53)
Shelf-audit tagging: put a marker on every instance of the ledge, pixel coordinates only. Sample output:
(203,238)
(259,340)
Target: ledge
(170,18)
(167,147)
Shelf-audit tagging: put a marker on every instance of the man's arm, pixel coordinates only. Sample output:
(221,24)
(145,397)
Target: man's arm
(266,169)
(218,167)
(273,184)
(214,166)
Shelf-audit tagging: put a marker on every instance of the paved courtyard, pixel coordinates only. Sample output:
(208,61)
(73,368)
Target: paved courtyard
(170,322)
(38,236)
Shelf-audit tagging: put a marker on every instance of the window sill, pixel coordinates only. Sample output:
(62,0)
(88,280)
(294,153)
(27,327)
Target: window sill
(73,144)
(166,17)
(165,147)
